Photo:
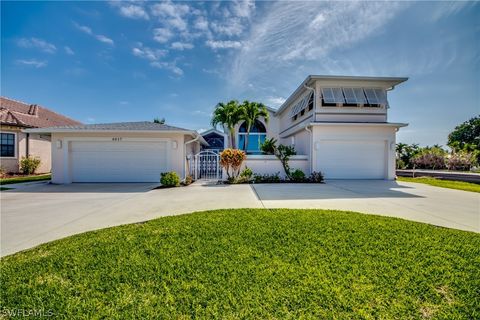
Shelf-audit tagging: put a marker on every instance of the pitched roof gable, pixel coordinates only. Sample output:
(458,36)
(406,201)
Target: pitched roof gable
(16,113)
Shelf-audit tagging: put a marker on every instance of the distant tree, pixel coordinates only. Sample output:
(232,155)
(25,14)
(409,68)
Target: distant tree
(251,112)
(405,154)
(158,120)
(465,134)
(228,115)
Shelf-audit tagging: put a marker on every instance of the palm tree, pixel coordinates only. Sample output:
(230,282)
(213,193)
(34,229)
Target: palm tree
(228,115)
(250,113)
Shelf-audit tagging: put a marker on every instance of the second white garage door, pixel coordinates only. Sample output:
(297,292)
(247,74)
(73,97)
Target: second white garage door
(342,159)
(118,161)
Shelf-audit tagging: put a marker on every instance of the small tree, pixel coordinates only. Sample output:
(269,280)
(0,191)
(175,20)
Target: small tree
(231,160)
(158,120)
(282,152)
(251,112)
(465,133)
(28,165)
(228,115)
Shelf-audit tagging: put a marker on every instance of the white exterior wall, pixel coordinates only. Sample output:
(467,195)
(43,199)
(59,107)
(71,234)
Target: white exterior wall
(269,164)
(357,133)
(60,156)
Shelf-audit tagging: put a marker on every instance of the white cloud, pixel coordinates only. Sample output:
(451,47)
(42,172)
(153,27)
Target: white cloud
(181,46)
(229,27)
(37,43)
(68,50)
(162,35)
(448,8)
(104,39)
(32,62)
(275,101)
(171,66)
(134,12)
(148,53)
(201,23)
(292,34)
(223,44)
(173,15)
(99,37)
(243,9)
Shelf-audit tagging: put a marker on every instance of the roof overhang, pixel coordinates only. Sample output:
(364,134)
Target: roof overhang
(194,134)
(359,124)
(389,82)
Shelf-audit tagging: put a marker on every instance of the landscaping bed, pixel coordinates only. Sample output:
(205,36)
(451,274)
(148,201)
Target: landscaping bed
(10,179)
(252,263)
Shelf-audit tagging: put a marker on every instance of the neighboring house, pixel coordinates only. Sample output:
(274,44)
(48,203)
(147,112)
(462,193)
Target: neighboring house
(217,140)
(119,152)
(338,125)
(15,144)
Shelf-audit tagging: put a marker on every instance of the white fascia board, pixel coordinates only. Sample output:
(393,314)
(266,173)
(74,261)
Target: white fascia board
(361,124)
(62,130)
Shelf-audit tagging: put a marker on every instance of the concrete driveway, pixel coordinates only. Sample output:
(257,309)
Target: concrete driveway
(41,213)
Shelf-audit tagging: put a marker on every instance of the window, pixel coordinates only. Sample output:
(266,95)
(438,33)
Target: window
(257,136)
(7,145)
(302,105)
(332,96)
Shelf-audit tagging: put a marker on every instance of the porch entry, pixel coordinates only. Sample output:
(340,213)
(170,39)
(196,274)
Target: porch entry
(205,165)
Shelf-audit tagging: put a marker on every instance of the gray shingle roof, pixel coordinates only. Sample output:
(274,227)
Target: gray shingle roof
(123,126)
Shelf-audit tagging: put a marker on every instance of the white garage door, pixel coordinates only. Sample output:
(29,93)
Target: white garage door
(340,159)
(118,161)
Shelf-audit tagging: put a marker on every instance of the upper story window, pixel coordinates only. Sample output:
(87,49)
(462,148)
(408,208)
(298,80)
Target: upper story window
(354,97)
(258,134)
(7,145)
(299,109)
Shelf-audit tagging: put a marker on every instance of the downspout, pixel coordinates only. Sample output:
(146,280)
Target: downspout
(308,125)
(27,145)
(185,155)
(311,147)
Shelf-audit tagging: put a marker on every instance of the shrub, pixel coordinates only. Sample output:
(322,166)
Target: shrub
(460,161)
(283,154)
(245,176)
(297,176)
(267,178)
(430,158)
(231,160)
(268,146)
(28,165)
(405,154)
(169,179)
(316,177)
(2,172)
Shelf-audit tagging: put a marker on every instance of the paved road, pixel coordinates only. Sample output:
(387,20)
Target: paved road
(44,212)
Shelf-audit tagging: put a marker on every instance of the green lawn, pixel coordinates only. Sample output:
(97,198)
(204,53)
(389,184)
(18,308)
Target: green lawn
(459,185)
(20,179)
(252,264)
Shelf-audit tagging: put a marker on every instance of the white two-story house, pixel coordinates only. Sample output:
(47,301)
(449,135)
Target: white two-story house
(337,124)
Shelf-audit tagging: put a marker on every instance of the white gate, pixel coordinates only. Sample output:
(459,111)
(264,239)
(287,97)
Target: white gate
(206,166)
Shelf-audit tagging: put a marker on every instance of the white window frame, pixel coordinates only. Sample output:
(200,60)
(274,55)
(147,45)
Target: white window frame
(15,145)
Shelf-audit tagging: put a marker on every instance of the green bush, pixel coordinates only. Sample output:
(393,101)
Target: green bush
(297,176)
(28,165)
(267,178)
(245,176)
(268,146)
(170,179)
(316,177)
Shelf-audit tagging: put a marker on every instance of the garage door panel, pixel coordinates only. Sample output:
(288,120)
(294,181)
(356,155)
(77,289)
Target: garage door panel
(346,159)
(119,161)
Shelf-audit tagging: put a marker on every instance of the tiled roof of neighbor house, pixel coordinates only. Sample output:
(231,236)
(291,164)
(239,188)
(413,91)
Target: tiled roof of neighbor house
(20,114)
(121,126)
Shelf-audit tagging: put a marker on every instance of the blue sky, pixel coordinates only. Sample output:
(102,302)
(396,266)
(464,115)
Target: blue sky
(131,61)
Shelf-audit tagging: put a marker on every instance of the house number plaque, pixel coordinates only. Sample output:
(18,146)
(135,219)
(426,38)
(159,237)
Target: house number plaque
(117,139)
